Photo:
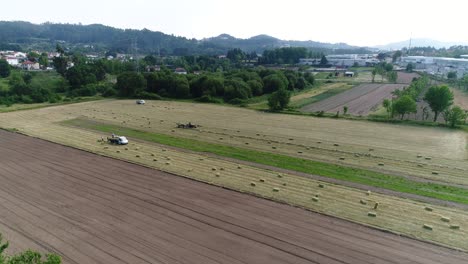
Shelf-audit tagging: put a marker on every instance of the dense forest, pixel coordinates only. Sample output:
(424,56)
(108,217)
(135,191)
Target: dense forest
(103,38)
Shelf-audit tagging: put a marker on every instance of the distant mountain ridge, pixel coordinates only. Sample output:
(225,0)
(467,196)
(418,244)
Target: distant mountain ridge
(419,42)
(100,38)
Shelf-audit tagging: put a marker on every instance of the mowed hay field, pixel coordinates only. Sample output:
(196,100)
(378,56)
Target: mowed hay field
(395,214)
(360,100)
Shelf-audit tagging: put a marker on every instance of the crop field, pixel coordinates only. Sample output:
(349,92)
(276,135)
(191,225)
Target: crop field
(323,92)
(92,209)
(254,130)
(360,100)
(460,98)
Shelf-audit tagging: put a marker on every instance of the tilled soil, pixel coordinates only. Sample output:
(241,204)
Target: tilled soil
(92,209)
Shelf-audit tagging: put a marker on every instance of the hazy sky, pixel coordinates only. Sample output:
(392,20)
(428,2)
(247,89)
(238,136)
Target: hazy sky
(357,22)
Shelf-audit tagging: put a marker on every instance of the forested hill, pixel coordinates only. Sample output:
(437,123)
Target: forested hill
(45,36)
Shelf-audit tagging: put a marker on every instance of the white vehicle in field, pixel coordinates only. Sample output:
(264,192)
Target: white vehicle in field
(140,102)
(119,140)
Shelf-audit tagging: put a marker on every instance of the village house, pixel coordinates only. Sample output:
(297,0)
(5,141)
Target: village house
(30,66)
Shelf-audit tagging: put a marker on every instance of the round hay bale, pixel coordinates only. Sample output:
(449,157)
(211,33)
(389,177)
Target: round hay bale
(137,156)
(280,176)
(285,184)
(276,189)
(420,165)
(239,167)
(428,158)
(126,148)
(362,202)
(342,158)
(321,186)
(456,227)
(213,169)
(118,151)
(445,219)
(376,205)
(262,180)
(273,147)
(336,145)
(427,208)
(152,154)
(247,143)
(168,163)
(419,156)
(315,199)
(300,152)
(368,193)
(427,227)
(372,214)
(319,142)
(435,173)
(221,169)
(253,184)
(218,174)
(155,159)
(381,164)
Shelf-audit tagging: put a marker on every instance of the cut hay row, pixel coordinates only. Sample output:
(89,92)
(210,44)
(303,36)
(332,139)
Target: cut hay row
(398,153)
(395,214)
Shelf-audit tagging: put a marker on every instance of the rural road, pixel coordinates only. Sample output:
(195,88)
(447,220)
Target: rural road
(92,209)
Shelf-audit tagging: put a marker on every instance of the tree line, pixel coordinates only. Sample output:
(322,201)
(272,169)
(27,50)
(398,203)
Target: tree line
(439,98)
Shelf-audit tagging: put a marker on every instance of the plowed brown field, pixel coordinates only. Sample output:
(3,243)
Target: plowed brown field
(92,209)
(360,100)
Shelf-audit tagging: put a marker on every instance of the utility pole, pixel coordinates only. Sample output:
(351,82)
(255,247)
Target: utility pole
(135,55)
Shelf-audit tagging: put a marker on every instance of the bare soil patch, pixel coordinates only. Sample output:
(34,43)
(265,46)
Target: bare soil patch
(360,100)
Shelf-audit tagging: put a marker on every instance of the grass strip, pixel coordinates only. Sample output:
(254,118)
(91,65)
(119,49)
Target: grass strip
(371,178)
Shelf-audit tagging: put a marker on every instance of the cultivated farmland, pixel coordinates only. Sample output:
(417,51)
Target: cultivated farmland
(91,209)
(289,135)
(360,100)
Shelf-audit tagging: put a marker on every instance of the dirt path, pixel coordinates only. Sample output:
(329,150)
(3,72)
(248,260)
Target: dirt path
(92,209)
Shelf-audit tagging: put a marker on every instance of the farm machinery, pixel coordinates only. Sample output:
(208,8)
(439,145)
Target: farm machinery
(118,140)
(189,125)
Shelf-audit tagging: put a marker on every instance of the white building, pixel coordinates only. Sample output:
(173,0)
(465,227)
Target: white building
(437,65)
(344,60)
(13,61)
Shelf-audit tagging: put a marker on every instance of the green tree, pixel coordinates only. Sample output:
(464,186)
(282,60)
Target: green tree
(455,116)
(405,105)
(274,82)
(439,99)
(345,110)
(387,104)
(374,73)
(392,76)
(130,84)
(26,257)
(409,67)
(279,100)
(396,55)
(452,75)
(323,60)
(4,68)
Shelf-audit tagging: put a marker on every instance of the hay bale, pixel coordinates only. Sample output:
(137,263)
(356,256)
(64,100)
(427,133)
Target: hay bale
(213,169)
(419,156)
(321,186)
(155,159)
(291,139)
(368,193)
(221,169)
(220,138)
(315,199)
(427,208)
(239,167)
(336,145)
(118,151)
(445,219)
(300,152)
(218,174)
(381,164)
(276,189)
(126,148)
(319,142)
(247,143)
(137,156)
(376,205)
(428,158)
(201,159)
(363,202)
(262,180)
(106,147)
(152,154)
(253,184)
(164,149)
(285,184)
(372,214)
(435,173)
(168,163)
(420,165)
(342,158)
(428,227)
(280,176)
(455,227)
(273,147)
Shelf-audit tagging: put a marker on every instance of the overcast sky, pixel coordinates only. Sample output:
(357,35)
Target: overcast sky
(356,22)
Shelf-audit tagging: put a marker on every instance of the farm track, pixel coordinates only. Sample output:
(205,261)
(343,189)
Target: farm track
(92,209)
(360,100)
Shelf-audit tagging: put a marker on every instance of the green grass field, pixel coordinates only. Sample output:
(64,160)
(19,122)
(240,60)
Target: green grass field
(395,183)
